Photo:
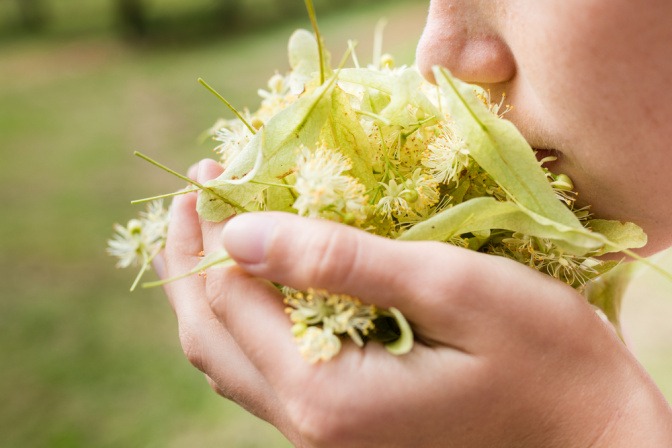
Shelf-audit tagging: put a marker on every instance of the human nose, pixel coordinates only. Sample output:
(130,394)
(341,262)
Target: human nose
(459,36)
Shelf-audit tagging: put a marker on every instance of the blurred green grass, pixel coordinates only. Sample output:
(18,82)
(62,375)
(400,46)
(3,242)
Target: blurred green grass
(84,362)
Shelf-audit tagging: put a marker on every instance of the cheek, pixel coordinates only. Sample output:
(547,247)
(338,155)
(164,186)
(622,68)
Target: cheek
(598,61)
(599,88)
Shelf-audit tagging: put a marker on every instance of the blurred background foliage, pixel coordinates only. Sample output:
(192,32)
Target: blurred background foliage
(83,84)
(83,362)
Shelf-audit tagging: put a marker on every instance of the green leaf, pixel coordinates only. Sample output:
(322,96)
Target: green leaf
(304,59)
(278,144)
(623,235)
(606,292)
(280,199)
(404,88)
(404,343)
(484,214)
(499,148)
(345,133)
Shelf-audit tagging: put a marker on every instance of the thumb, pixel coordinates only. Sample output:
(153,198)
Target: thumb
(304,253)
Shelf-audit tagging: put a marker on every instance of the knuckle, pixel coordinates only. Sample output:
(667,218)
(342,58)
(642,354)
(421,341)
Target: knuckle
(456,279)
(318,425)
(224,391)
(215,387)
(218,282)
(215,284)
(192,348)
(332,257)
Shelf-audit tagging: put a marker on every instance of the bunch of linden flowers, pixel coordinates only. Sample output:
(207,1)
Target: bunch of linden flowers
(381,149)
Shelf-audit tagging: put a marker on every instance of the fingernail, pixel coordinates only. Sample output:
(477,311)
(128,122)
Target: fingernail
(246,237)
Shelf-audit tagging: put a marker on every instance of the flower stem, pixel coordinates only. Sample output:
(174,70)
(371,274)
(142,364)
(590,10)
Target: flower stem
(271,184)
(201,267)
(191,181)
(163,196)
(320,50)
(143,269)
(229,105)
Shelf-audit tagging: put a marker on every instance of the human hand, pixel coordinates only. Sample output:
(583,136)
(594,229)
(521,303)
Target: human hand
(504,355)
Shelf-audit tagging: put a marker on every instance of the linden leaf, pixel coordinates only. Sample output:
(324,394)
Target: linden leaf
(345,134)
(279,199)
(304,59)
(278,143)
(212,207)
(623,235)
(606,292)
(500,149)
(403,87)
(484,214)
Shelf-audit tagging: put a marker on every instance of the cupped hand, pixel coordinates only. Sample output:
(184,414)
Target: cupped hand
(504,356)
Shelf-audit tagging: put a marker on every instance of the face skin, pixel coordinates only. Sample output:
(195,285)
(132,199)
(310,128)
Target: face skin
(588,79)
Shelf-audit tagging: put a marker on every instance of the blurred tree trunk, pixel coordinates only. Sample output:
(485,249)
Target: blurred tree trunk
(133,17)
(33,14)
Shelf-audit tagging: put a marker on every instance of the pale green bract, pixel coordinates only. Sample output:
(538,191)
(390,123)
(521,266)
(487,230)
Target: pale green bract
(415,162)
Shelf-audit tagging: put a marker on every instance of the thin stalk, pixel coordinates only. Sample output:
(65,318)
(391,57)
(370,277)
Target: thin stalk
(228,260)
(271,184)
(163,196)
(320,49)
(666,274)
(378,42)
(229,105)
(191,181)
(352,45)
(292,190)
(143,269)
(380,118)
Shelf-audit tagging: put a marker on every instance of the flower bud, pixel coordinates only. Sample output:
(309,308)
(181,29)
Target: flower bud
(562,182)
(257,123)
(386,61)
(410,196)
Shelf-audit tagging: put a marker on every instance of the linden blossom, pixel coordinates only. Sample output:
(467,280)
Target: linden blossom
(381,149)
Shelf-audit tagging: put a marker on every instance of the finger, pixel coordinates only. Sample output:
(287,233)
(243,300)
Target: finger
(159,265)
(211,348)
(305,253)
(204,340)
(207,170)
(435,285)
(211,232)
(184,240)
(181,254)
(192,172)
(183,246)
(253,313)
